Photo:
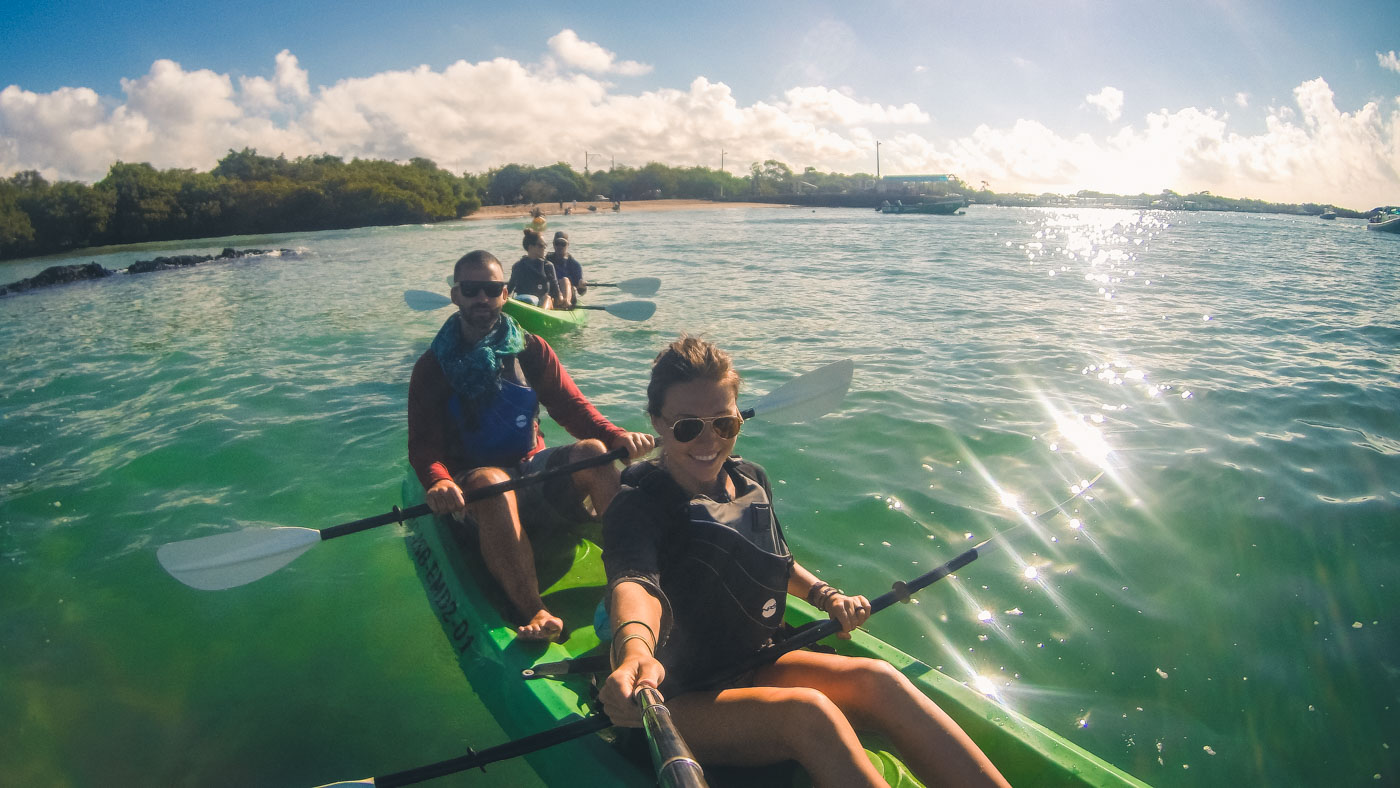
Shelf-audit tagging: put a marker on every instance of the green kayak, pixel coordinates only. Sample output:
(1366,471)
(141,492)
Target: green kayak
(544,321)
(496,665)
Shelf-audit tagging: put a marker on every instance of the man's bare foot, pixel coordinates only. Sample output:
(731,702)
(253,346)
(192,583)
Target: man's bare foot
(544,626)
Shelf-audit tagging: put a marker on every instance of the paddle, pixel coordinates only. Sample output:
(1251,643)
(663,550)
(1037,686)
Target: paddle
(221,561)
(803,637)
(642,285)
(228,560)
(675,766)
(427,301)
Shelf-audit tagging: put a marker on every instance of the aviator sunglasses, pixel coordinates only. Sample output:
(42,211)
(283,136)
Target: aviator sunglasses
(687,430)
(470,289)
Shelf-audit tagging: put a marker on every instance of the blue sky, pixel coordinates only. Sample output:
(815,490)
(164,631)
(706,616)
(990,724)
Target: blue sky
(1281,100)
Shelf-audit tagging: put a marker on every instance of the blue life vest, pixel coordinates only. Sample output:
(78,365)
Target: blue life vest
(503,432)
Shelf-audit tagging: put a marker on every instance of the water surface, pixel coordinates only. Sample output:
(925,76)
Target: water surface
(1213,611)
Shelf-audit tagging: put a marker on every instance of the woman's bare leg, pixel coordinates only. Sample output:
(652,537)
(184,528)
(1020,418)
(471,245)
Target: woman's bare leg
(756,726)
(874,696)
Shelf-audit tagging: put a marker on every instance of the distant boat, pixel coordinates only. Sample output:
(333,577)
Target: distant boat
(1328,215)
(940,205)
(1386,220)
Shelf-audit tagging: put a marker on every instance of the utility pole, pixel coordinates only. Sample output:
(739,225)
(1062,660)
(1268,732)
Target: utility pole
(877,160)
(721,159)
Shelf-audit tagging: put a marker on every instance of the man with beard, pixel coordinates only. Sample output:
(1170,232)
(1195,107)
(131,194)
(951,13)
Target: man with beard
(473,420)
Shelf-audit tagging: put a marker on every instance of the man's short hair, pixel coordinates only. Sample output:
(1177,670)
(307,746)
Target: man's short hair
(475,259)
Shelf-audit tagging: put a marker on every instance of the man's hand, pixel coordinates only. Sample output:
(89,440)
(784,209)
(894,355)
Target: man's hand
(445,497)
(638,444)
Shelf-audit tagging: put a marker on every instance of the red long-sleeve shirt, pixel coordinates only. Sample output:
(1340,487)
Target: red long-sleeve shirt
(433,448)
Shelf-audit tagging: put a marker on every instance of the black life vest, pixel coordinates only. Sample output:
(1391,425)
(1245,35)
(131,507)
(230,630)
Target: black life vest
(724,569)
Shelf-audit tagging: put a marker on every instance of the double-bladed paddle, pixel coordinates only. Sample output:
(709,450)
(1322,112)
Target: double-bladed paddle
(228,560)
(803,637)
(428,301)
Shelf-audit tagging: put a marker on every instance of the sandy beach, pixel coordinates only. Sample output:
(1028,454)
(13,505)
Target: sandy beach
(604,206)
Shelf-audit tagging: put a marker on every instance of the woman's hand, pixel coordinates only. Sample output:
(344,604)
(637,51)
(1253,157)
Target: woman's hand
(622,684)
(445,497)
(848,611)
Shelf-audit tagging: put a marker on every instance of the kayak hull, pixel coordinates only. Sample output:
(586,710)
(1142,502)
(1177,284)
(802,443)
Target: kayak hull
(494,662)
(545,321)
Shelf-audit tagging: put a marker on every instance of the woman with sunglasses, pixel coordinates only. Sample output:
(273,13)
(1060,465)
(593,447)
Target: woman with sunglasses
(534,276)
(698,573)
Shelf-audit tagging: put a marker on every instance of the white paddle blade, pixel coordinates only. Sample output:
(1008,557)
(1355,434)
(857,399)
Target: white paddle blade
(642,285)
(214,563)
(425,301)
(632,310)
(814,394)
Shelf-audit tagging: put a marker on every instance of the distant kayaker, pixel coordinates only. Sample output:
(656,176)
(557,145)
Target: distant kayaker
(534,276)
(698,573)
(570,273)
(473,420)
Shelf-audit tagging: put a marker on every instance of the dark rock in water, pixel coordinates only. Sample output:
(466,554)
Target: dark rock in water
(184,260)
(167,263)
(65,274)
(58,275)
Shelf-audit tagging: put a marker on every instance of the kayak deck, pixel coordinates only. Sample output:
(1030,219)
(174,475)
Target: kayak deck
(572,577)
(544,321)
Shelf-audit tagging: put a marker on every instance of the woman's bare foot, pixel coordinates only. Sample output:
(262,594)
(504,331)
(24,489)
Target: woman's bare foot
(544,626)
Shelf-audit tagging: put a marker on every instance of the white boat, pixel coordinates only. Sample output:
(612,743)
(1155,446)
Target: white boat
(1386,220)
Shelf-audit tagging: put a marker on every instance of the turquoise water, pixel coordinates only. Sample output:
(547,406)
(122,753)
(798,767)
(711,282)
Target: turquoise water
(1215,610)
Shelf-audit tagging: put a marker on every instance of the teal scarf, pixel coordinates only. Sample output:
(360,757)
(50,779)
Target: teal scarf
(474,373)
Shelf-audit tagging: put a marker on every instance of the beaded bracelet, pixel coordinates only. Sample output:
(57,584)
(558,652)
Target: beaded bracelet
(828,594)
(817,588)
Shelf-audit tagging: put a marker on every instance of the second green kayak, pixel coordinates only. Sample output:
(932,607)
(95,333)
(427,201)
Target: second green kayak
(544,321)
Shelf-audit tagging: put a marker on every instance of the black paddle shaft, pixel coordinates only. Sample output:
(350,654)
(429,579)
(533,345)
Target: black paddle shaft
(397,515)
(819,630)
(511,749)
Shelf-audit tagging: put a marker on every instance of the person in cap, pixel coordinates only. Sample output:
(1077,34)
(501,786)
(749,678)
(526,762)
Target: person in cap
(570,273)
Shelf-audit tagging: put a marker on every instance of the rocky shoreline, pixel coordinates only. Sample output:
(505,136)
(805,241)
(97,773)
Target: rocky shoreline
(68,274)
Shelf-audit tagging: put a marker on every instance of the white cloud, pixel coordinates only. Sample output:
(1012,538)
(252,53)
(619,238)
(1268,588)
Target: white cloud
(588,56)
(475,116)
(1389,60)
(824,105)
(289,83)
(1242,100)
(1328,156)
(1108,101)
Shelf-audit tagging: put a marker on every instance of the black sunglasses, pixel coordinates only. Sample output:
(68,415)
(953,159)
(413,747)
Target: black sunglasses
(687,430)
(470,289)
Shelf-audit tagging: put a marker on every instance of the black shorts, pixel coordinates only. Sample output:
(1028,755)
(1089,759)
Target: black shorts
(555,504)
